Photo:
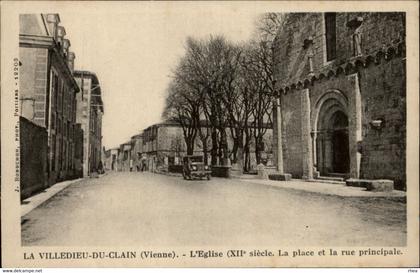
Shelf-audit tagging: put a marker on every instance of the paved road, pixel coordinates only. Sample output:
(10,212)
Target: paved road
(144,209)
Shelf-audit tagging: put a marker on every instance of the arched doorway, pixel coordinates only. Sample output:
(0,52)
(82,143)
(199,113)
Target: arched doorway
(332,157)
(340,143)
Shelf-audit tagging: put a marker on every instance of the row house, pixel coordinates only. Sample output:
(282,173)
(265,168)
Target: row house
(137,155)
(341,96)
(126,157)
(48,91)
(163,145)
(111,159)
(90,110)
(125,161)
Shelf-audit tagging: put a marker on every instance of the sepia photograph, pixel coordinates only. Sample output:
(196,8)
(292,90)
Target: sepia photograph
(210,134)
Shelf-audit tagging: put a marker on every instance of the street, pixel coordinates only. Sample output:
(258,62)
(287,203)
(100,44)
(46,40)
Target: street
(145,209)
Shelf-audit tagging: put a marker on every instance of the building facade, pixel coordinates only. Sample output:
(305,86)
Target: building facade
(89,114)
(111,159)
(137,152)
(125,162)
(163,145)
(341,101)
(48,89)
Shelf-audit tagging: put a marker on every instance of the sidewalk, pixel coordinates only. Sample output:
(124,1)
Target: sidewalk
(34,201)
(325,188)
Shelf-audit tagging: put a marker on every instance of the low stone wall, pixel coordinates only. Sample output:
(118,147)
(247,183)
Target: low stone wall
(33,158)
(372,185)
(220,171)
(175,168)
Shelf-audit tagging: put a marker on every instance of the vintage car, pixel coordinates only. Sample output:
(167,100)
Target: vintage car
(194,167)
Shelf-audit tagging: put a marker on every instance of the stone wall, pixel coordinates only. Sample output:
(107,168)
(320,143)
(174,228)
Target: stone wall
(33,158)
(78,150)
(384,97)
(378,30)
(292,144)
(221,171)
(33,84)
(382,88)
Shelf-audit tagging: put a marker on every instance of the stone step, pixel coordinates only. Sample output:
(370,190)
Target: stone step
(331,178)
(372,184)
(328,181)
(343,175)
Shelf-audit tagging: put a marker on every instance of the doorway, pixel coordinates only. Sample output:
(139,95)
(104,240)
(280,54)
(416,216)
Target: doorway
(332,143)
(340,143)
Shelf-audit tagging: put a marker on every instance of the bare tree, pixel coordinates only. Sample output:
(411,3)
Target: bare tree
(182,107)
(261,77)
(219,87)
(208,67)
(267,26)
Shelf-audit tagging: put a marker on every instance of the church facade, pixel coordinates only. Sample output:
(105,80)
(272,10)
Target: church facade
(341,92)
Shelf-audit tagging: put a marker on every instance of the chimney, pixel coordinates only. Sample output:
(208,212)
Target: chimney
(70,60)
(66,46)
(53,20)
(61,32)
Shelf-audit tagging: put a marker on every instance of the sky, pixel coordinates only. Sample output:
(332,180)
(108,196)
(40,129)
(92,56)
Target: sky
(134,49)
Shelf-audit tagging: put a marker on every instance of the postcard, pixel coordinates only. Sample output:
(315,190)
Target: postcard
(210,134)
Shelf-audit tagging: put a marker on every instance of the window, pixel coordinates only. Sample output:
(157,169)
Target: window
(52,120)
(330,35)
(53,145)
(59,153)
(54,89)
(58,125)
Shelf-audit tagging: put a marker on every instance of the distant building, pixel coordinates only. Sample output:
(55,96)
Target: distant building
(163,144)
(125,162)
(342,85)
(90,110)
(137,151)
(111,159)
(48,90)
(104,156)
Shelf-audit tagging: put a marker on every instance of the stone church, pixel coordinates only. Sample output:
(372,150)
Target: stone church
(341,82)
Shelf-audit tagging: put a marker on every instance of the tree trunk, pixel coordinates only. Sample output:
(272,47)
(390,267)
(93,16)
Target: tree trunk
(223,148)
(190,147)
(214,147)
(240,152)
(235,147)
(258,145)
(246,160)
(205,151)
